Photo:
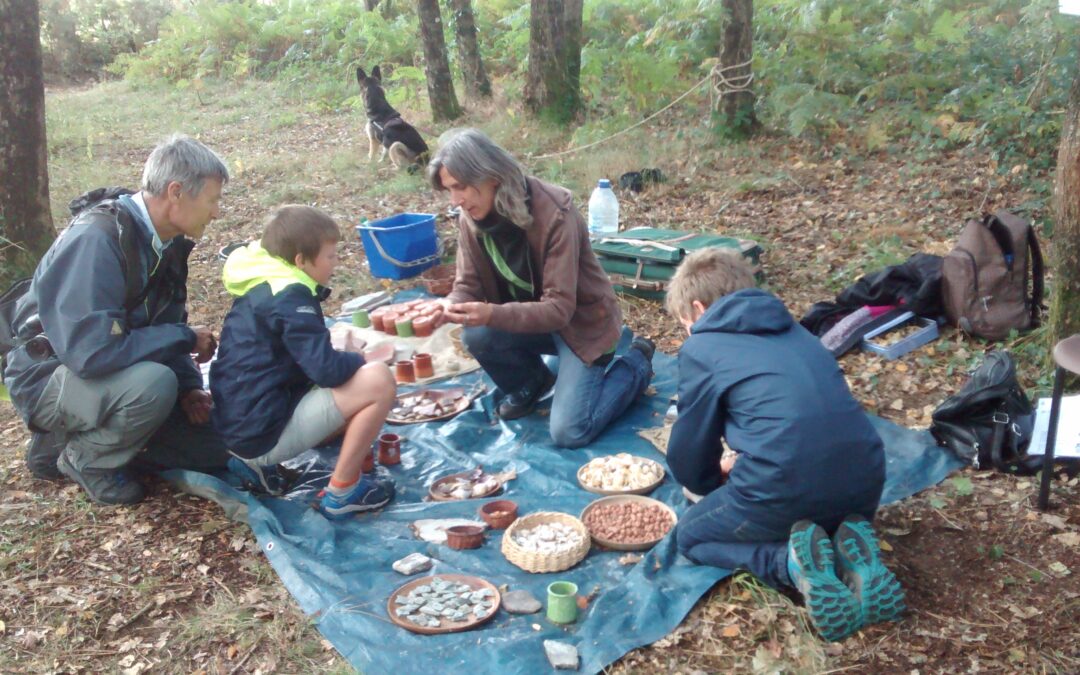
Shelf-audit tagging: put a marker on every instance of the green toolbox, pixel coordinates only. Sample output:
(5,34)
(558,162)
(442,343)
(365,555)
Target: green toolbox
(642,261)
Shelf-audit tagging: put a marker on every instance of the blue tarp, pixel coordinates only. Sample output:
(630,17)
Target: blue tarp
(340,572)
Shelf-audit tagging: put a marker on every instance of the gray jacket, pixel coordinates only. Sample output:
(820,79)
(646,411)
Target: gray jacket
(105,301)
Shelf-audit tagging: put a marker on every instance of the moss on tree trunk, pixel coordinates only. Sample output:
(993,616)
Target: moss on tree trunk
(26,227)
(1065,299)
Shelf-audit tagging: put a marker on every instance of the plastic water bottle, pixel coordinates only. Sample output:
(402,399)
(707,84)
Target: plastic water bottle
(603,211)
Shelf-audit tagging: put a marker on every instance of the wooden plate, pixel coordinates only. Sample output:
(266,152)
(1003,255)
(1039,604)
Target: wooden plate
(439,497)
(638,491)
(463,404)
(446,625)
(618,499)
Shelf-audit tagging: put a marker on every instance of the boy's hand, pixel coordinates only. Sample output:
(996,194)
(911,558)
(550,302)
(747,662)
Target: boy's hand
(727,461)
(469,313)
(196,405)
(205,344)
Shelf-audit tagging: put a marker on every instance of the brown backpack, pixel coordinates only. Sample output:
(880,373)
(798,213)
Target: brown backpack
(985,278)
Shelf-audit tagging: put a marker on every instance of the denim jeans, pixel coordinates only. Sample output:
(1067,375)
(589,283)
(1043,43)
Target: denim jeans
(723,531)
(587,398)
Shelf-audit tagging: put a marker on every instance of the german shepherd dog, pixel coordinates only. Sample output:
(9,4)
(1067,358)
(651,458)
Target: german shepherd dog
(385,127)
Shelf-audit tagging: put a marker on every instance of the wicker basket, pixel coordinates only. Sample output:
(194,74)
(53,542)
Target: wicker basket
(545,562)
(458,344)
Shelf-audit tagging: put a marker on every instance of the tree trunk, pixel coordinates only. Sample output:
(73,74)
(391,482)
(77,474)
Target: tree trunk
(26,227)
(552,86)
(370,5)
(1065,299)
(736,108)
(477,84)
(572,18)
(440,85)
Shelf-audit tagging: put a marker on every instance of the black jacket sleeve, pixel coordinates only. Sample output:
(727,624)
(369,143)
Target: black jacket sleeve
(299,320)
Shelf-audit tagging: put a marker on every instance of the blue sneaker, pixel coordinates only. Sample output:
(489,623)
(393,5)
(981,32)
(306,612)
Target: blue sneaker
(834,610)
(367,495)
(859,562)
(257,478)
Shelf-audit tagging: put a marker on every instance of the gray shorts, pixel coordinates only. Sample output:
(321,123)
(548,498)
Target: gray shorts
(315,420)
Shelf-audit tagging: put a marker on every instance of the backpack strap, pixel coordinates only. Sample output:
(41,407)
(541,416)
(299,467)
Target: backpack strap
(1037,270)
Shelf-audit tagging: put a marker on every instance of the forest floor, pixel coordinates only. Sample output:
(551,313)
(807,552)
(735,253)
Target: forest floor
(173,585)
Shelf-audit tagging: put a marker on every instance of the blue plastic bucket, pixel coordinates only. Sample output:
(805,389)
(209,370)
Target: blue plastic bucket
(400,246)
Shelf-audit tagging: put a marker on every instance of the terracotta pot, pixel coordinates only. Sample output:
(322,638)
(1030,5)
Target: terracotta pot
(389,321)
(423,326)
(464,536)
(403,371)
(499,514)
(369,463)
(389,449)
(422,366)
(376,316)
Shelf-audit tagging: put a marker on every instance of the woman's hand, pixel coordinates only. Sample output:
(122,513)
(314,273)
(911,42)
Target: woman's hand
(435,309)
(469,313)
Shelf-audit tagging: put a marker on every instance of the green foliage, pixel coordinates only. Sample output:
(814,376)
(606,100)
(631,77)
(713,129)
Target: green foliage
(941,73)
(79,37)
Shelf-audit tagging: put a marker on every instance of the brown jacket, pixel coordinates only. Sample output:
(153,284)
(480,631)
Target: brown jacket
(577,300)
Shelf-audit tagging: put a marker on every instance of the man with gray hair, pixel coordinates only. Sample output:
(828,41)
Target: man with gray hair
(103,367)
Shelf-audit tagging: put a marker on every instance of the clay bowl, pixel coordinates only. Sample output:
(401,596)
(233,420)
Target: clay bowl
(439,280)
(499,514)
(464,536)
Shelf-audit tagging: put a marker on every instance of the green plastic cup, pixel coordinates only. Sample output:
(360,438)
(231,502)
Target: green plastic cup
(562,602)
(361,318)
(404,328)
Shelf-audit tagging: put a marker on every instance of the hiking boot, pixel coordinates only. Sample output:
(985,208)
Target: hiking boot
(367,495)
(104,486)
(523,401)
(255,478)
(858,561)
(834,610)
(644,345)
(41,454)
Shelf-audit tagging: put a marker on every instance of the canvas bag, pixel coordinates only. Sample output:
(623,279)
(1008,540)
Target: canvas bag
(986,277)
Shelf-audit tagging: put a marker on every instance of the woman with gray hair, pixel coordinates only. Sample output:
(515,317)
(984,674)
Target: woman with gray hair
(528,284)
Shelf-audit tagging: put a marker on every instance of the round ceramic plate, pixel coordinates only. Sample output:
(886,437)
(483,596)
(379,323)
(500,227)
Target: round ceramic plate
(637,491)
(460,405)
(618,499)
(438,496)
(445,625)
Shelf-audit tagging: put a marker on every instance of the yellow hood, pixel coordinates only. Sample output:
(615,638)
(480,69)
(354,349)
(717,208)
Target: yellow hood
(252,265)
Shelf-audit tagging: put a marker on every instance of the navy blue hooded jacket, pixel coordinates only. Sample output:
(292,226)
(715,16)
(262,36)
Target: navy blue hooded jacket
(750,374)
(274,347)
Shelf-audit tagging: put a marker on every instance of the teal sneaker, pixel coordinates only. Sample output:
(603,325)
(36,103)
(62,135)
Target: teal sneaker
(859,563)
(367,495)
(833,608)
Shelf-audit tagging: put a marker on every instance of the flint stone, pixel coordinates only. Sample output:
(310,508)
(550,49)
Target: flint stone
(561,655)
(429,610)
(521,602)
(413,564)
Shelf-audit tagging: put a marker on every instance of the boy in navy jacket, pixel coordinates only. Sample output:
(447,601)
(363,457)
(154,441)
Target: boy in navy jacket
(804,460)
(279,386)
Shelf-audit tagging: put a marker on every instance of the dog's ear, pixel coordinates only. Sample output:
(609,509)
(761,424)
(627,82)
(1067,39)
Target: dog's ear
(361,76)
(376,75)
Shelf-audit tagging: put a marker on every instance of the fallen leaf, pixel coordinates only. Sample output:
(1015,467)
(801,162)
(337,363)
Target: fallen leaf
(898,404)
(731,631)
(1068,538)
(1059,569)
(1056,522)
(885,546)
